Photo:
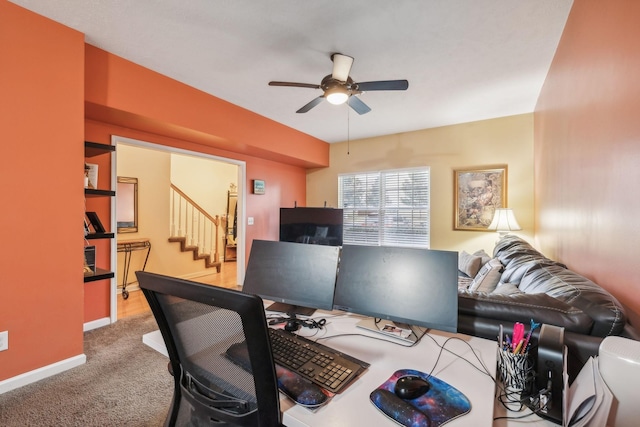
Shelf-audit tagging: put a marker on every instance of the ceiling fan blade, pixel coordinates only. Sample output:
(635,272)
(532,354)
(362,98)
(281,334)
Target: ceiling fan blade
(311,104)
(358,106)
(384,85)
(341,66)
(292,84)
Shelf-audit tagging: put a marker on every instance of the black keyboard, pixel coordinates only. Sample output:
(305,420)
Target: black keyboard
(322,365)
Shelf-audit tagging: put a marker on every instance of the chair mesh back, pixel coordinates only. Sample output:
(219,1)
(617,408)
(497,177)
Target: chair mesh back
(220,353)
(202,334)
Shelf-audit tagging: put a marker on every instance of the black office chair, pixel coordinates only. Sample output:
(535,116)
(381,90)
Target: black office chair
(199,324)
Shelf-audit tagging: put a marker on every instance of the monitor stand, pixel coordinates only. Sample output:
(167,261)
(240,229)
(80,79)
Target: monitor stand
(291,309)
(397,330)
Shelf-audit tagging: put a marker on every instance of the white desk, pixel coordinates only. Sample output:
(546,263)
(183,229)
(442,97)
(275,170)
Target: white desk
(353,407)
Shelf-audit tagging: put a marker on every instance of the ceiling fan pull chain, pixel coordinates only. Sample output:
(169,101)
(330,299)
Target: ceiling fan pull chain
(348,135)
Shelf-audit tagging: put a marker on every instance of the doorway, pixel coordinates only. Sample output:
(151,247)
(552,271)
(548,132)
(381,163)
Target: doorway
(206,180)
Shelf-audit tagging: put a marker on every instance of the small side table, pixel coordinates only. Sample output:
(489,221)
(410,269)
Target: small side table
(128,247)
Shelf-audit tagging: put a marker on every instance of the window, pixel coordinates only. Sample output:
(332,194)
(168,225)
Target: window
(388,208)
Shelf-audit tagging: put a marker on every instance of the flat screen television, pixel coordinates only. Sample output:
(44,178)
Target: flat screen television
(405,286)
(320,226)
(298,278)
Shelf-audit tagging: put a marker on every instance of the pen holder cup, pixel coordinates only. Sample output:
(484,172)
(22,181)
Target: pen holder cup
(516,371)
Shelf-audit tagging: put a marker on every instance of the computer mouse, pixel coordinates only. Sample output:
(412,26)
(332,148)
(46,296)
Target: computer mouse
(410,387)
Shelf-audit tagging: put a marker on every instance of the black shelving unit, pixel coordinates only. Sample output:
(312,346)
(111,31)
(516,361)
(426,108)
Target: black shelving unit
(92,149)
(99,236)
(99,274)
(90,192)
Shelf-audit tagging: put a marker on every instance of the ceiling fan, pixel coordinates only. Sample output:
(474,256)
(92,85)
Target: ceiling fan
(339,87)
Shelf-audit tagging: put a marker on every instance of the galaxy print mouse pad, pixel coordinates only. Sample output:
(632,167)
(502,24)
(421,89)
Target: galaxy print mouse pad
(440,404)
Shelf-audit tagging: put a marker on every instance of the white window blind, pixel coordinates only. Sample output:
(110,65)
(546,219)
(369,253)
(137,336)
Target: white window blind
(388,208)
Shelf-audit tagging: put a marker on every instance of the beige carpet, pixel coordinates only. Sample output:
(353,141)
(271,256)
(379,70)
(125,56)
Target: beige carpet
(123,383)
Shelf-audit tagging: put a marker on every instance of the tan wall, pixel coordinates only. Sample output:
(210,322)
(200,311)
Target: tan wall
(205,181)
(507,140)
(587,146)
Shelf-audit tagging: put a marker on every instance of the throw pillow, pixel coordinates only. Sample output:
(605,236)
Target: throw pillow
(488,277)
(469,264)
(485,258)
(506,289)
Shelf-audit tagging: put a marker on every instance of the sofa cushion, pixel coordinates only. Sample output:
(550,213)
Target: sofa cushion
(488,277)
(565,285)
(469,264)
(512,251)
(535,274)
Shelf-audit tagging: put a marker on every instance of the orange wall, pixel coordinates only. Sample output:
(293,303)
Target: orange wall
(121,92)
(41,117)
(48,107)
(587,148)
(172,114)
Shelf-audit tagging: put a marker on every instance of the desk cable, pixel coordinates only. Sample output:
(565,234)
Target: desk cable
(482,368)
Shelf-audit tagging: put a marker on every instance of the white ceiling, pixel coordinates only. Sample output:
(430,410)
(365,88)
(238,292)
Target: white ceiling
(465,60)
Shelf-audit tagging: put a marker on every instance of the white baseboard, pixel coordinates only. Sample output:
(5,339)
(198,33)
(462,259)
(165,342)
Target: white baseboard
(155,341)
(130,287)
(95,324)
(190,276)
(41,373)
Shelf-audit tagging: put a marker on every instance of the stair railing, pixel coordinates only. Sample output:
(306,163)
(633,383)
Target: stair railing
(194,223)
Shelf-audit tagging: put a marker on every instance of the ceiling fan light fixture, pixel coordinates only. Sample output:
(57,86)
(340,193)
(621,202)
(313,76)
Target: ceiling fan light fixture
(336,95)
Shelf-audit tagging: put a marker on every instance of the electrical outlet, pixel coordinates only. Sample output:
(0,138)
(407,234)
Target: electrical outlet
(4,340)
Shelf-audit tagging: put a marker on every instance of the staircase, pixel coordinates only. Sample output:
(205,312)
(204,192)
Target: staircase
(194,229)
(209,260)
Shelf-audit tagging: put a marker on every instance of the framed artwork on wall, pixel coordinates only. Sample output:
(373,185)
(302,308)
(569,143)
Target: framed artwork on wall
(258,186)
(478,193)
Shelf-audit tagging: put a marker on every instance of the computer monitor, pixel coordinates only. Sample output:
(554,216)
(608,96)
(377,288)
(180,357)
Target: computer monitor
(298,278)
(402,287)
(320,226)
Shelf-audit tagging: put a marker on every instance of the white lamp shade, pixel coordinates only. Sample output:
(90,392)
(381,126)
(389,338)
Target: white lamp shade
(504,221)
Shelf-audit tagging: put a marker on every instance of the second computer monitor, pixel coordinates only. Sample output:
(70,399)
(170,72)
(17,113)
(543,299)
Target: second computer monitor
(406,285)
(299,278)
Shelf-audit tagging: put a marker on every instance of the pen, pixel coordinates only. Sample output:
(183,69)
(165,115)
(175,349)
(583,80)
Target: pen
(534,325)
(518,347)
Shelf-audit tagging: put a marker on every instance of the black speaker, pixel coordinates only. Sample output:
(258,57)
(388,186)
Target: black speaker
(550,378)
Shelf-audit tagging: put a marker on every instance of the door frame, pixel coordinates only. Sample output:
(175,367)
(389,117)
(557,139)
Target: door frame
(242,191)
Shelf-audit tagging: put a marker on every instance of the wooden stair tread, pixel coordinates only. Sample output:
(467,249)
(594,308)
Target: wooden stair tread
(208,258)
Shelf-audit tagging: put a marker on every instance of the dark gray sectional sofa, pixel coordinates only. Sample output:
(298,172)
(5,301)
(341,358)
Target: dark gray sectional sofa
(532,286)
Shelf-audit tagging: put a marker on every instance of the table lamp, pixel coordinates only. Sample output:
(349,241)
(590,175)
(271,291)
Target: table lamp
(503,222)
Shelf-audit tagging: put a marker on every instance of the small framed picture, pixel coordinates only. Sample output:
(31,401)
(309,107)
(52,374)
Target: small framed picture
(478,192)
(258,186)
(95,222)
(89,259)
